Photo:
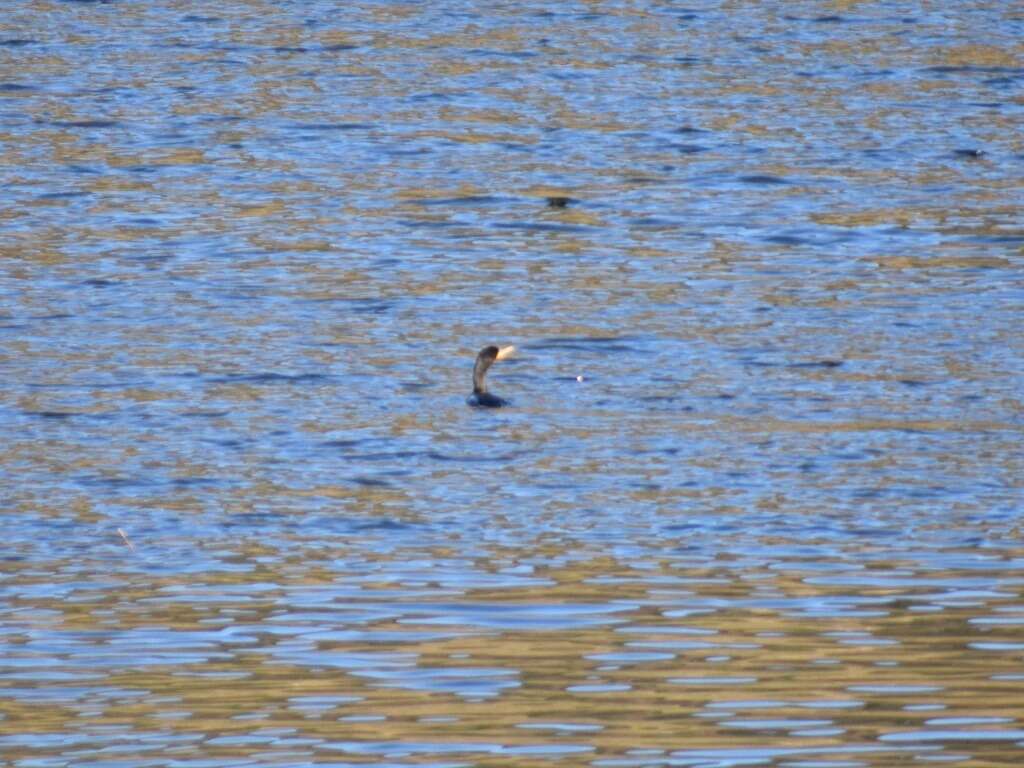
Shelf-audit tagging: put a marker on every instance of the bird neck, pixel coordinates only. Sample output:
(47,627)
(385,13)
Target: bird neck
(479,372)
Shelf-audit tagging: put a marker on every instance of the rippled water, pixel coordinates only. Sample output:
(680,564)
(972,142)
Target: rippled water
(757,501)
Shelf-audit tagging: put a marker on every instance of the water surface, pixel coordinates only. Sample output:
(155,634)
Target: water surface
(757,501)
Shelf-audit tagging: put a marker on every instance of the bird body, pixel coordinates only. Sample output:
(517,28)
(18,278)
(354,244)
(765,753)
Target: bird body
(481,398)
(486,400)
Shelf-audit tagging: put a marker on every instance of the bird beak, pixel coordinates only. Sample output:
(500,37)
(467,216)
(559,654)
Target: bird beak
(504,352)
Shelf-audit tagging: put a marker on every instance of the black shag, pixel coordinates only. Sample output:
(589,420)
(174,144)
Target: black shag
(487,357)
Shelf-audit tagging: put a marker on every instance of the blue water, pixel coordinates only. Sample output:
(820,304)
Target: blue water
(756,501)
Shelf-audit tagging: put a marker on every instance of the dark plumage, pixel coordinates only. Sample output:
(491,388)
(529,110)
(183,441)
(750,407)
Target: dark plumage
(481,398)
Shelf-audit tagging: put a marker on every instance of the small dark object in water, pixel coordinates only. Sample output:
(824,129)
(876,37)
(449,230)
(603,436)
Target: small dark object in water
(557,201)
(969,153)
(484,360)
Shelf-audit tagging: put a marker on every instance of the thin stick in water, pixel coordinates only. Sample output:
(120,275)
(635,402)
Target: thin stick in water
(124,538)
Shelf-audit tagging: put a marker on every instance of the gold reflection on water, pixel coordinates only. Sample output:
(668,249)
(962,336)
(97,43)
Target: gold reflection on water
(862,676)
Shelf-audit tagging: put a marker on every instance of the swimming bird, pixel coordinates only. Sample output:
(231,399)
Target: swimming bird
(484,360)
